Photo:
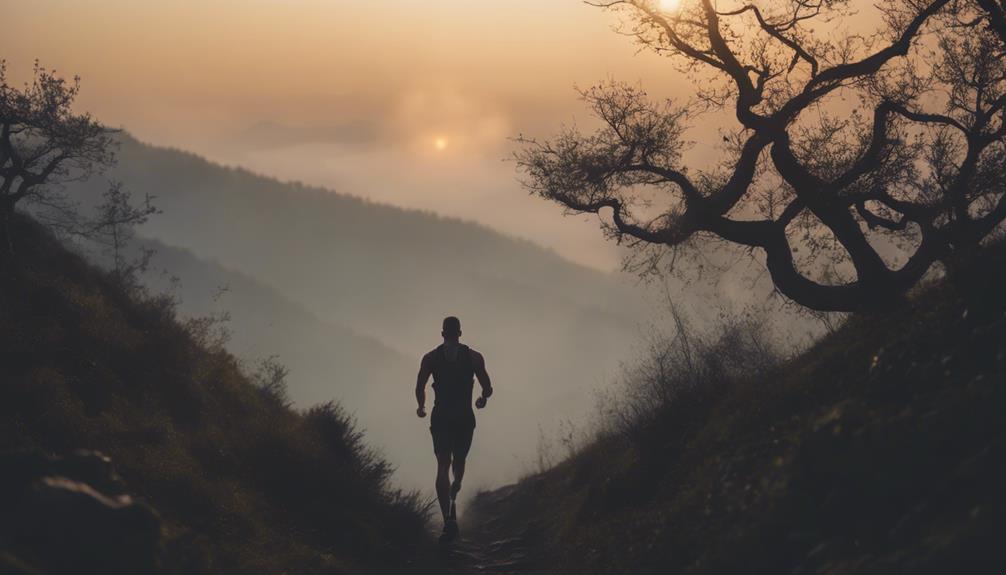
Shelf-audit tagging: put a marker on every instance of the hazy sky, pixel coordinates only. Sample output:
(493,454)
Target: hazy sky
(407,102)
(404,101)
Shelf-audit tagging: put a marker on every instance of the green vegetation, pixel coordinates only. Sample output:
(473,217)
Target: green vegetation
(880,450)
(244,483)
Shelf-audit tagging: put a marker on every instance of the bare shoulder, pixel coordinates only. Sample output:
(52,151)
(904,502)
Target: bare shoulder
(476,357)
(427,358)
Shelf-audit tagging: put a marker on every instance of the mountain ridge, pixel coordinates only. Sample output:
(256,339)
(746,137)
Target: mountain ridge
(545,324)
(128,140)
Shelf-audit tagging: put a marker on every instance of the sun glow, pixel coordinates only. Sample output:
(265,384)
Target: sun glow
(440,144)
(669,5)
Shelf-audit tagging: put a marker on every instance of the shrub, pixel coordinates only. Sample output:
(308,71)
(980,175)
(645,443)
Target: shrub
(687,361)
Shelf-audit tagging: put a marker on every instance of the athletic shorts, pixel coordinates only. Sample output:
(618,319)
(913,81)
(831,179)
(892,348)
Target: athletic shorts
(452,435)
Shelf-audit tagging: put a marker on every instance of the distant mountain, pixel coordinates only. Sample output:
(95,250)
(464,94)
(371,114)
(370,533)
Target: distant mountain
(551,330)
(262,323)
(270,135)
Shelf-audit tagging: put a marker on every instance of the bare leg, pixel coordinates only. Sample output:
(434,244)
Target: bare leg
(459,474)
(444,483)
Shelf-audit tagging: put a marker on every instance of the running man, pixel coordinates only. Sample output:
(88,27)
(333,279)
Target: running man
(454,367)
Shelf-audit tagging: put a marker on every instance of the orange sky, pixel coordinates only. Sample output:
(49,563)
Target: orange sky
(253,52)
(404,101)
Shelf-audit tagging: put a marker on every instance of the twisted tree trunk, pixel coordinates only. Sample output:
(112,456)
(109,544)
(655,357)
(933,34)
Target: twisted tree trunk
(6,211)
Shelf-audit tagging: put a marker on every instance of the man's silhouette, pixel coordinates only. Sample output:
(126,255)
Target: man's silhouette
(454,367)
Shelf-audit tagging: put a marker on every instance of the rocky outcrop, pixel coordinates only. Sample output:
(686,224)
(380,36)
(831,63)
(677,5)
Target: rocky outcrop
(71,514)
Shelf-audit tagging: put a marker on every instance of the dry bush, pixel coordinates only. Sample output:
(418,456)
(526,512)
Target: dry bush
(688,359)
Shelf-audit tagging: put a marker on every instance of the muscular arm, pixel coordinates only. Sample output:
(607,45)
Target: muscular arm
(481,374)
(421,379)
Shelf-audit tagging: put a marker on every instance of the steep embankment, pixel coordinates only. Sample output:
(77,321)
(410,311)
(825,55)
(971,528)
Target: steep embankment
(244,484)
(880,450)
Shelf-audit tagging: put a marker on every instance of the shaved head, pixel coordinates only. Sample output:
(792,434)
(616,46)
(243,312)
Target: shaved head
(451,326)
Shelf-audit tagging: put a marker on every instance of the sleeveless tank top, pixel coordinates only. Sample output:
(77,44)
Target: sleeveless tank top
(453,382)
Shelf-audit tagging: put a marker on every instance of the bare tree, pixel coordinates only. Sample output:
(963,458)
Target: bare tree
(45,144)
(993,13)
(114,227)
(844,144)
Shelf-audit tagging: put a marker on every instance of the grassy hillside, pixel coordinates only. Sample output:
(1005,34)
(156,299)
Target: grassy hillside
(326,361)
(880,450)
(244,483)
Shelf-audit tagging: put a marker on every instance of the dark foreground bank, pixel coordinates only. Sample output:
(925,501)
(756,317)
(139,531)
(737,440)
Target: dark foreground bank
(880,450)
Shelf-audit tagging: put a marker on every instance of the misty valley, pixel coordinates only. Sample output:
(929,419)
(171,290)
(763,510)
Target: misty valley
(528,288)
(349,294)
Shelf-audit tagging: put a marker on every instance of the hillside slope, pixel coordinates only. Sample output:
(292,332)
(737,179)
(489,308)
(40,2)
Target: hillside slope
(244,483)
(880,450)
(326,361)
(262,323)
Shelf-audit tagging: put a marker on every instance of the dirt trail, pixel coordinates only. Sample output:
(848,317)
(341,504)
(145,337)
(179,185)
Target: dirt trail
(487,545)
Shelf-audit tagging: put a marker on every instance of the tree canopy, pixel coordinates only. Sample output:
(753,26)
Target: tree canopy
(45,144)
(857,160)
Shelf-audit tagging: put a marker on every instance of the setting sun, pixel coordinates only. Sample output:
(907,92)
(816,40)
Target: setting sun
(705,254)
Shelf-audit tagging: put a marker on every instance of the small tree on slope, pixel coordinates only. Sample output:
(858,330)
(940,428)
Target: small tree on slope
(44,145)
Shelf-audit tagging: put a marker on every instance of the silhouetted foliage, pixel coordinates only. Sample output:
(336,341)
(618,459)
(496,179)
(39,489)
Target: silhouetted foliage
(270,378)
(994,17)
(687,361)
(915,167)
(245,483)
(853,457)
(45,144)
(114,228)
